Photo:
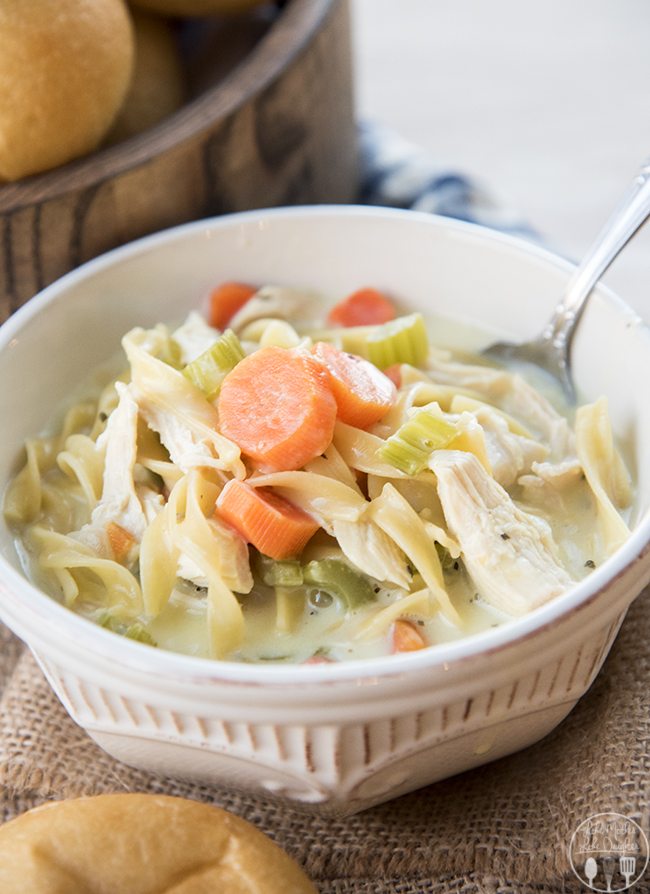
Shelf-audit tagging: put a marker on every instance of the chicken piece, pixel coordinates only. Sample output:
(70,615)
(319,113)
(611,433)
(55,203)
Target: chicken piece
(547,484)
(183,441)
(119,502)
(152,501)
(194,337)
(526,403)
(514,395)
(274,301)
(372,551)
(484,380)
(510,555)
(174,408)
(559,475)
(510,455)
(233,561)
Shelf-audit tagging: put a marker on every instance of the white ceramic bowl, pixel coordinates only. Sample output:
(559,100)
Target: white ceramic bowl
(340,736)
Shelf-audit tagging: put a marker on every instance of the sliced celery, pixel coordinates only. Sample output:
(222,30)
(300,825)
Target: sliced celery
(352,339)
(140,633)
(136,630)
(412,444)
(403,340)
(289,607)
(337,578)
(287,573)
(211,367)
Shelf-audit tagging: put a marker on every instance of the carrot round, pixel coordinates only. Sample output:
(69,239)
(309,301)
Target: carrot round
(272,524)
(278,407)
(362,393)
(365,307)
(405,637)
(226,300)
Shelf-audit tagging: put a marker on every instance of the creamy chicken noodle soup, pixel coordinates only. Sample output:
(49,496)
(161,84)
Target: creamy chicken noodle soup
(267,485)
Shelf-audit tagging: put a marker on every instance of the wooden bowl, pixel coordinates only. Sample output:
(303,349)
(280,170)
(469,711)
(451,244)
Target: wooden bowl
(278,130)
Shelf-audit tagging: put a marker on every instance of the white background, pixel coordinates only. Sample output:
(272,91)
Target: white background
(547,103)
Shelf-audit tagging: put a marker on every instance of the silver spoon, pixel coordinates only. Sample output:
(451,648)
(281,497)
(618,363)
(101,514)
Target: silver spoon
(551,350)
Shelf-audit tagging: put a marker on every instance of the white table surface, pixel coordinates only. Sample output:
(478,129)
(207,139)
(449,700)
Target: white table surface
(547,103)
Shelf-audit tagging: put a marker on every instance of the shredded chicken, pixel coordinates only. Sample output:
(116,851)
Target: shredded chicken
(560,475)
(526,403)
(510,455)
(482,379)
(194,337)
(186,423)
(186,448)
(231,555)
(274,301)
(119,501)
(514,395)
(510,554)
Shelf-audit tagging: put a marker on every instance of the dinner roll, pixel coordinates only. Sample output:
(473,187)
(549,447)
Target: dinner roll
(157,86)
(65,66)
(141,844)
(196,7)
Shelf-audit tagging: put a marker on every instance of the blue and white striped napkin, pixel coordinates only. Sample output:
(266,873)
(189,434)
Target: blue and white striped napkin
(397,173)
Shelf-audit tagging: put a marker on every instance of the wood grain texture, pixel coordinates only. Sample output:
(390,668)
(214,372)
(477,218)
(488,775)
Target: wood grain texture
(278,130)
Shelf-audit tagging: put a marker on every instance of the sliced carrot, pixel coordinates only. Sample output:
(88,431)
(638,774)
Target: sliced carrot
(394,373)
(226,300)
(121,542)
(405,637)
(362,393)
(272,524)
(278,407)
(365,307)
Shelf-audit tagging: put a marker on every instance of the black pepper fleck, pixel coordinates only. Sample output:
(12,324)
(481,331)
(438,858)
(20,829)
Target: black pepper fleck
(505,536)
(590,563)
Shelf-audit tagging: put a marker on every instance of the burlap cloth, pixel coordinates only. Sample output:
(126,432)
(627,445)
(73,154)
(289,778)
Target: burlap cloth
(501,829)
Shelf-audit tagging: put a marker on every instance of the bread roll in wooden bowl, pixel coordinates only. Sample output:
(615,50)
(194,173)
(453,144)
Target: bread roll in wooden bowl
(277,129)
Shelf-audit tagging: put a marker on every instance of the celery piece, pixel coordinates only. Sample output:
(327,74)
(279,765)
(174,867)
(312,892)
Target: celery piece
(340,580)
(403,340)
(136,630)
(354,339)
(274,573)
(412,444)
(211,367)
(289,607)
(140,633)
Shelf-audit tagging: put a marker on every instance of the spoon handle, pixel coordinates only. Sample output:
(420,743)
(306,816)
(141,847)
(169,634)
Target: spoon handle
(630,214)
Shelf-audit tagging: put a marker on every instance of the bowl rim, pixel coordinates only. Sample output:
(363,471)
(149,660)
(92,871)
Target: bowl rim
(60,621)
(296,25)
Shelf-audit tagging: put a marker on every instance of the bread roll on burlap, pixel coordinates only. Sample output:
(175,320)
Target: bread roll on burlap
(141,844)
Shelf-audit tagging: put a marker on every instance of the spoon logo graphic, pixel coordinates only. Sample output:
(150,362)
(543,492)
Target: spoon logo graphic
(609,852)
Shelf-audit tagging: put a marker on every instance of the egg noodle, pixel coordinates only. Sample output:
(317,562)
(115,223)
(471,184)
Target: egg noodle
(470,501)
